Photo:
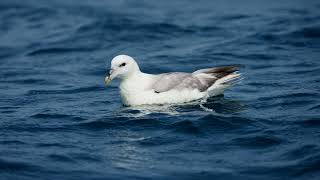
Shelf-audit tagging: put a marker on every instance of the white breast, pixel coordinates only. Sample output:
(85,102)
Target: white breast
(136,91)
(169,97)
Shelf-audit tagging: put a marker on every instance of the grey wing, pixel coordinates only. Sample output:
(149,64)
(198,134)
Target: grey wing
(176,80)
(201,79)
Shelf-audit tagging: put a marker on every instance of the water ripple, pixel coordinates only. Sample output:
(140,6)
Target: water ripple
(59,121)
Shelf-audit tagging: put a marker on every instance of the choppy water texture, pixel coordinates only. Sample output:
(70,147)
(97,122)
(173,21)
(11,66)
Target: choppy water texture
(58,121)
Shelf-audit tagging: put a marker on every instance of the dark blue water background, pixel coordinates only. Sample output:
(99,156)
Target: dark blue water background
(59,121)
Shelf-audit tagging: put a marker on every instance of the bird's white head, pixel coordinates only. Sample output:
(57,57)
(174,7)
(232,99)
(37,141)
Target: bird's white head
(122,66)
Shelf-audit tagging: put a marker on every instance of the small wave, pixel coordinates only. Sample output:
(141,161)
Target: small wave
(35,128)
(226,123)
(121,122)
(306,32)
(257,141)
(10,73)
(208,29)
(86,157)
(310,95)
(57,50)
(67,91)
(158,140)
(235,17)
(301,37)
(300,152)
(310,123)
(8,111)
(186,127)
(13,142)
(60,145)
(29,81)
(56,116)
(61,158)
(306,72)
(256,56)
(6,52)
(6,166)
(9,107)
(315,107)
(165,28)
(98,125)
(310,164)
(138,30)
(97,71)
(264,84)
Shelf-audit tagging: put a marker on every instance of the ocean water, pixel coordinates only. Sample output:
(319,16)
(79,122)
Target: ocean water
(59,121)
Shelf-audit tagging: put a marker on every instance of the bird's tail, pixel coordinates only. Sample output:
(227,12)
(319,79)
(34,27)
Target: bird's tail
(230,79)
(224,83)
(221,78)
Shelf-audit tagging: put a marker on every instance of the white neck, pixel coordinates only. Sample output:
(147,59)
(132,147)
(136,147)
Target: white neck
(136,82)
(131,86)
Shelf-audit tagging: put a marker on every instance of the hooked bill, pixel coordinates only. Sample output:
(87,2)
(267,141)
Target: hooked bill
(107,80)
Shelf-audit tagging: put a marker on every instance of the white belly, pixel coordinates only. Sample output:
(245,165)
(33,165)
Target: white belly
(169,97)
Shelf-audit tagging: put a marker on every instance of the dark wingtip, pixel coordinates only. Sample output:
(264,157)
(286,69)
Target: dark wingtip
(227,68)
(233,66)
(222,71)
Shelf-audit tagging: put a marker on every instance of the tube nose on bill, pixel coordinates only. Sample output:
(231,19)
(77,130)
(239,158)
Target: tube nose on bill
(108,79)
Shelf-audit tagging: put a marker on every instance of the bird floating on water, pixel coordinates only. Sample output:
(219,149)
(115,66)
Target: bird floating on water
(138,88)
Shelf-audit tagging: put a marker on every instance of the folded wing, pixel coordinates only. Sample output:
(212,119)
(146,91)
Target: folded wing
(201,79)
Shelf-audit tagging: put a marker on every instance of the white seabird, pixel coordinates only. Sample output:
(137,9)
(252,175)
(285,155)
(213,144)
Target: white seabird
(138,88)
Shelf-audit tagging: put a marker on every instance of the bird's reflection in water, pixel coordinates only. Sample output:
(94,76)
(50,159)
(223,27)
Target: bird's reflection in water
(132,154)
(222,105)
(217,105)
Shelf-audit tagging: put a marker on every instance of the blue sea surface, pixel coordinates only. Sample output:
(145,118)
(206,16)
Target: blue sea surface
(59,121)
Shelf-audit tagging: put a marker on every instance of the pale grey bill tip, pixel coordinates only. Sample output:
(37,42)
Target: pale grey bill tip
(107,80)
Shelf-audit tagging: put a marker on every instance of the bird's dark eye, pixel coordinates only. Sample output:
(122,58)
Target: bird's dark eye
(123,64)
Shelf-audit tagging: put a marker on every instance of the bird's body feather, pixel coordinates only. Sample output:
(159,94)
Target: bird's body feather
(176,87)
(138,88)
